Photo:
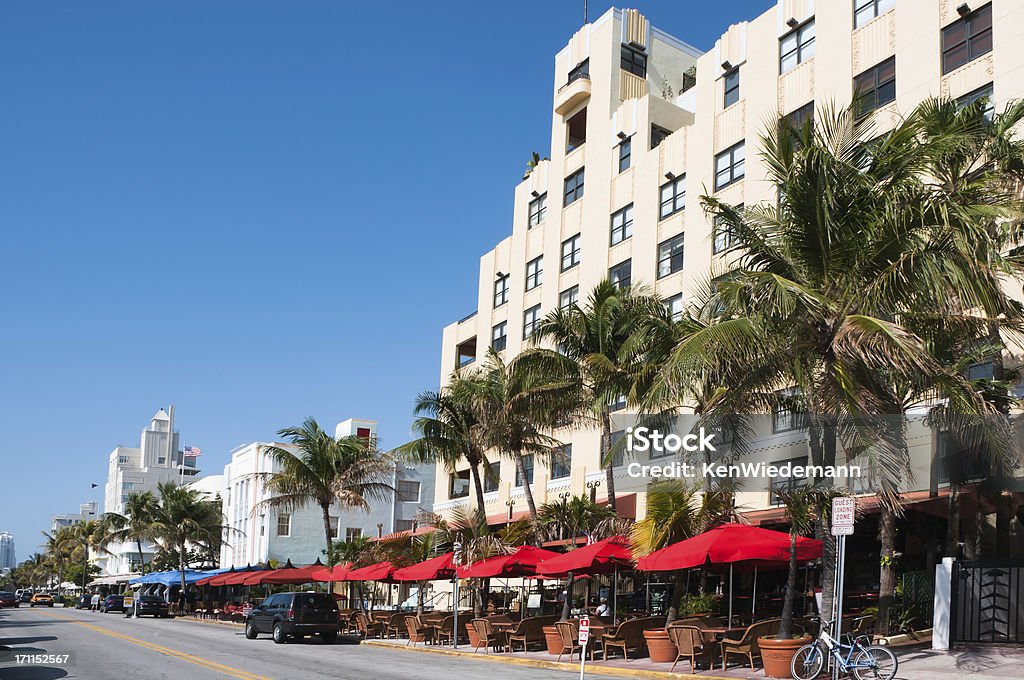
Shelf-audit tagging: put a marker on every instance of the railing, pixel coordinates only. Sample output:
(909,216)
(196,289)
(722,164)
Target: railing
(573,78)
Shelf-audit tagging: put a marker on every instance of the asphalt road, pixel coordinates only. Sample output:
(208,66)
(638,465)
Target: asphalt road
(109,646)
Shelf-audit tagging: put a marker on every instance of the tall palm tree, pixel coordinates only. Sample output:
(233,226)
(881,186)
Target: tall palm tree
(185,517)
(802,507)
(349,472)
(92,535)
(676,511)
(602,341)
(135,525)
(448,432)
(60,548)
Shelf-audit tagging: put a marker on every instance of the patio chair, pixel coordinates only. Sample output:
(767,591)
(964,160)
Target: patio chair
(529,630)
(488,637)
(690,645)
(570,633)
(395,627)
(444,631)
(629,635)
(367,628)
(418,632)
(747,644)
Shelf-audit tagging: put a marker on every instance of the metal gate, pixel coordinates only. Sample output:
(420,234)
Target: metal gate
(987,601)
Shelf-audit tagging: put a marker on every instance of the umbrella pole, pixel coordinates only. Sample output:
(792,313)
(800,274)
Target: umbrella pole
(730,595)
(753,598)
(615,593)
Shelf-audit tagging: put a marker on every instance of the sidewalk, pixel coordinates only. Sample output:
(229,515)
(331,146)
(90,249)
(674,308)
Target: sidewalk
(916,662)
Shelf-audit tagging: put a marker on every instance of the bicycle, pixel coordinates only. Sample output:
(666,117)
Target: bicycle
(872,662)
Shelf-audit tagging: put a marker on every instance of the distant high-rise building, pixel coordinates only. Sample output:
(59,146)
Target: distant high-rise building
(8,560)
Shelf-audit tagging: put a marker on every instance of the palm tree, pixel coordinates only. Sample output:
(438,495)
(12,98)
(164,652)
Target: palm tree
(184,517)
(677,511)
(60,549)
(348,471)
(92,535)
(135,525)
(448,432)
(602,343)
(802,508)
(515,404)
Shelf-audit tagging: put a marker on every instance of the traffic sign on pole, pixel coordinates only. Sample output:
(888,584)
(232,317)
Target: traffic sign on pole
(584,638)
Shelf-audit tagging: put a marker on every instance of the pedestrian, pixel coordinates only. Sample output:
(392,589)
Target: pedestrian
(603,608)
(181,603)
(95,602)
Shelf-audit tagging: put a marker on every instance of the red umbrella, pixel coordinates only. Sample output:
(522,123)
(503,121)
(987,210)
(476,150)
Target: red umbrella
(440,567)
(523,562)
(293,575)
(729,543)
(382,571)
(338,572)
(238,577)
(597,558)
(208,581)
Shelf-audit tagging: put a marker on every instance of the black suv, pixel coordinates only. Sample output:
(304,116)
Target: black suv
(294,615)
(112,603)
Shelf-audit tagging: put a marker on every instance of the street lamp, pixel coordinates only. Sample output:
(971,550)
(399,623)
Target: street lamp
(592,485)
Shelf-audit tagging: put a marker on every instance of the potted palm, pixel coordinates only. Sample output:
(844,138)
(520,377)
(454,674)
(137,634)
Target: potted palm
(777,652)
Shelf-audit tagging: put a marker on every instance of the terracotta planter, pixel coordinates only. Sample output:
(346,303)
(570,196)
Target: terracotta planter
(776,655)
(659,646)
(474,639)
(553,639)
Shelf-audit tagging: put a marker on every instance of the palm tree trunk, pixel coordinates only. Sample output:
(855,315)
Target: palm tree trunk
(823,449)
(181,565)
(953,523)
(478,487)
(327,534)
(527,491)
(886,575)
(606,445)
(142,558)
(678,590)
(567,605)
(786,624)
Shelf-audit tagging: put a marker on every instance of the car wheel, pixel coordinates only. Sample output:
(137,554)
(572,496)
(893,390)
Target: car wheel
(330,637)
(279,636)
(250,630)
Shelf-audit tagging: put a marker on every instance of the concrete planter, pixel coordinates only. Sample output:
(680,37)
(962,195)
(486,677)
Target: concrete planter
(474,639)
(660,646)
(776,655)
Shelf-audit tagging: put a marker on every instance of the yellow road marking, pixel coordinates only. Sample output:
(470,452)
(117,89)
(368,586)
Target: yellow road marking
(160,649)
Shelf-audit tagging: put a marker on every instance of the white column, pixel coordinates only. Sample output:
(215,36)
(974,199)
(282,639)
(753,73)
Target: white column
(941,609)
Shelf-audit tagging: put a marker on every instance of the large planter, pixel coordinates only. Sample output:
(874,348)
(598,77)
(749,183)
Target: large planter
(660,646)
(474,639)
(776,655)
(553,640)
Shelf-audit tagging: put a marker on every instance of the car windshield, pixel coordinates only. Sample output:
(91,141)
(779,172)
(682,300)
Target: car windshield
(318,600)
(6,594)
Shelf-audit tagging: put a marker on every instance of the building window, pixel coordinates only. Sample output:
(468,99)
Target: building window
(122,460)
(796,47)
(582,70)
(619,275)
(673,197)
(670,256)
(786,485)
(576,130)
(981,371)
(801,117)
(408,491)
(730,166)
(528,464)
(866,10)
(723,238)
(570,252)
(333,520)
(985,93)
(967,38)
(500,291)
(573,188)
(499,336)
(658,135)
(625,153)
(161,460)
(492,477)
(567,298)
(787,417)
(731,83)
(534,272)
(876,87)
(353,534)
(674,305)
(538,210)
(622,224)
(458,484)
(634,61)
(405,525)
(531,319)
(561,462)
(284,524)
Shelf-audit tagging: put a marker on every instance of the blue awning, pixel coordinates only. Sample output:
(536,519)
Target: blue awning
(173,577)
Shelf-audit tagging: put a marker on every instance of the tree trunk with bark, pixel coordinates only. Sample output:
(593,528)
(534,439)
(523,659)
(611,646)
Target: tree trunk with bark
(606,445)
(328,534)
(952,543)
(527,491)
(678,590)
(887,569)
(789,598)
(567,605)
(474,472)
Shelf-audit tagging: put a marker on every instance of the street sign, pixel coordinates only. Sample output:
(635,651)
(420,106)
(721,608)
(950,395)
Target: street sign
(584,630)
(842,530)
(843,508)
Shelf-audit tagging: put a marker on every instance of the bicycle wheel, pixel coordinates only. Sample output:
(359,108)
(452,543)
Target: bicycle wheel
(807,662)
(875,663)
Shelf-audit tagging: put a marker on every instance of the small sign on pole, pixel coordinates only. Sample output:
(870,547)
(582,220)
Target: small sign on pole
(584,638)
(843,515)
(843,508)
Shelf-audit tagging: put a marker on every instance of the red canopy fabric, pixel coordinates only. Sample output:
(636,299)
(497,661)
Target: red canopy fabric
(730,543)
(382,571)
(440,567)
(338,572)
(238,577)
(209,580)
(523,562)
(294,576)
(253,579)
(597,558)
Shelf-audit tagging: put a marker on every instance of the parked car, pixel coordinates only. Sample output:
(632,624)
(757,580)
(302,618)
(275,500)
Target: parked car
(83,602)
(26,596)
(41,600)
(8,599)
(112,603)
(294,615)
(150,605)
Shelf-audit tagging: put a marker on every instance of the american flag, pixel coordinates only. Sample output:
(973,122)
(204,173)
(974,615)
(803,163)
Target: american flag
(193,451)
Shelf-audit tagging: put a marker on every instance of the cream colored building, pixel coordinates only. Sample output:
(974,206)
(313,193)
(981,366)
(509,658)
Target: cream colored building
(648,140)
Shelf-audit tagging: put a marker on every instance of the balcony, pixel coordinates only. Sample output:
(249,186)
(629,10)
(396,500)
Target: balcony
(572,94)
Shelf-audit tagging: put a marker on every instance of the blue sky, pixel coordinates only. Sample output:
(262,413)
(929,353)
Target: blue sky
(256,210)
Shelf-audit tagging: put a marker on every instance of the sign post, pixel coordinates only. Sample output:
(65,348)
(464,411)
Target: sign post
(456,560)
(843,511)
(584,639)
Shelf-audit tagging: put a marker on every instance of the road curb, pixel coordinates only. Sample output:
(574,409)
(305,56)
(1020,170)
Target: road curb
(613,671)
